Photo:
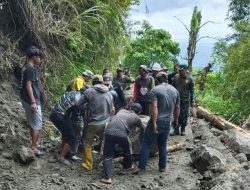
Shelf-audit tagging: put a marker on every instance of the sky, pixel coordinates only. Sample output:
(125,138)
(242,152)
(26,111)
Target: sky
(162,13)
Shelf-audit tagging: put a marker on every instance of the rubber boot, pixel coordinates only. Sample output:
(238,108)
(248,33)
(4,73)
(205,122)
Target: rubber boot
(88,163)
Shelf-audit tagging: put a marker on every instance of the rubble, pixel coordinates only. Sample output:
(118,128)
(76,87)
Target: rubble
(25,155)
(203,158)
(237,141)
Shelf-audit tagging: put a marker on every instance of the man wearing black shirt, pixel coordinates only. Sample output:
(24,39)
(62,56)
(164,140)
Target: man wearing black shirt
(30,93)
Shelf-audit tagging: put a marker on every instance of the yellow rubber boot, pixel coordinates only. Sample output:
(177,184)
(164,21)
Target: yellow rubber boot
(88,163)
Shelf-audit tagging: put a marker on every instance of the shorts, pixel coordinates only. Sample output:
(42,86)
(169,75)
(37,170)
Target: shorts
(65,125)
(34,119)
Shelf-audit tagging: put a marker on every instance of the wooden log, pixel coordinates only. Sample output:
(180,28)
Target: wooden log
(176,147)
(217,121)
(171,148)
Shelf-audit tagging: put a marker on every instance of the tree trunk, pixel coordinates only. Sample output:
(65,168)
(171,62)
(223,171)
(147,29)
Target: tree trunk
(217,121)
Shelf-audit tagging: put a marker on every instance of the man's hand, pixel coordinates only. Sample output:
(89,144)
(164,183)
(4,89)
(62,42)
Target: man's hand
(155,130)
(175,123)
(33,106)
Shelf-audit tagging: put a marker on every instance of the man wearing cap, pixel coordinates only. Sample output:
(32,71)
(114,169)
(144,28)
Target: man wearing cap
(80,82)
(156,69)
(184,83)
(117,132)
(30,93)
(165,103)
(122,79)
(171,75)
(143,84)
(100,106)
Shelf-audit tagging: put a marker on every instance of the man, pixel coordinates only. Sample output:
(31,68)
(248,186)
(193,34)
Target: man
(184,83)
(117,133)
(122,79)
(30,93)
(116,91)
(100,107)
(62,119)
(156,69)
(171,75)
(80,82)
(143,84)
(165,102)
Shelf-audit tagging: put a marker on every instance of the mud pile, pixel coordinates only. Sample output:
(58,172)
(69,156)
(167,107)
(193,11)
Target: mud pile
(208,161)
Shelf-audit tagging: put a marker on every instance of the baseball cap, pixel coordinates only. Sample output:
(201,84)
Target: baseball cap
(156,67)
(143,67)
(183,66)
(161,74)
(107,78)
(87,73)
(97,78)
(136,107)
(119,69)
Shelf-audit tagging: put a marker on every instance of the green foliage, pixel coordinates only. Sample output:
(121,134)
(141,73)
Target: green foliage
(216,99)
(239,11)
(233,84)
(151,45)
(85,34)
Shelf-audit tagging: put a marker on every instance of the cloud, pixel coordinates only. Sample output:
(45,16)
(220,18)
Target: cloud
(162,15)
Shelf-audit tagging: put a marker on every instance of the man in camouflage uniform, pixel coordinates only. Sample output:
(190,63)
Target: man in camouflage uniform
(184,83)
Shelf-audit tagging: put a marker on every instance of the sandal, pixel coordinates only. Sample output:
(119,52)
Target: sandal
(106,181)
(41,148)
(64,162)
(38,153)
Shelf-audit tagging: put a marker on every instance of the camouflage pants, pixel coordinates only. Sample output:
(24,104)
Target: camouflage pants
(183,118)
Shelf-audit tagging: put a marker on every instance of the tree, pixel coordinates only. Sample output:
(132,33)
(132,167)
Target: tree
(151,45)
(193,37)
(239,11)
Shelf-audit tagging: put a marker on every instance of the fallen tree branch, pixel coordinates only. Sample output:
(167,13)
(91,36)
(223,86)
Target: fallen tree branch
(171,148)
(217,121)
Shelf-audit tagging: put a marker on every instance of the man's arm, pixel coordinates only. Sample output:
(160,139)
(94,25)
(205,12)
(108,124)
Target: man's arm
(177,110)
(135,91)
(154,115)
(176,115)
(192,92)
(31,95)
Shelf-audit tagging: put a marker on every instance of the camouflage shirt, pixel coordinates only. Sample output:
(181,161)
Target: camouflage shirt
(185,87)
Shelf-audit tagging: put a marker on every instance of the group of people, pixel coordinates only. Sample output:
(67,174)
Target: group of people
(101,109)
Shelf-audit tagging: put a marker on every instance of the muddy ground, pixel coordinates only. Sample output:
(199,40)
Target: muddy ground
(225,172)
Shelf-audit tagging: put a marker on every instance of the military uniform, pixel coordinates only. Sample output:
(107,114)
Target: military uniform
(185,87)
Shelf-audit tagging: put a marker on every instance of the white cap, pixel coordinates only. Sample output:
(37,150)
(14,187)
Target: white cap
(156,67)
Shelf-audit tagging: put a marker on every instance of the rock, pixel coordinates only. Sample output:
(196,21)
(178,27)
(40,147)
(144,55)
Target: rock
(241,157)
(25,155)
(7,155)
(203,158)
(136,135)
(238,141)
(246,125)
(189,148)
(216,132)
(233,179)
(1,147)
(196,140)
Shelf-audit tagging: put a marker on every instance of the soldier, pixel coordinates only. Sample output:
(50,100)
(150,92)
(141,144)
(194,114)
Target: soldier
(184,83)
